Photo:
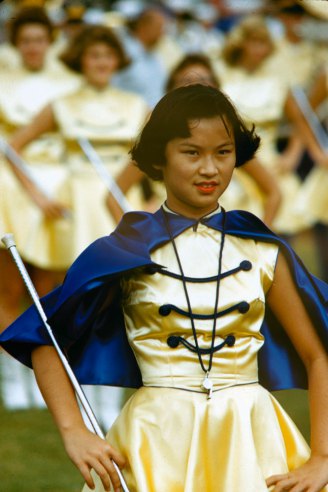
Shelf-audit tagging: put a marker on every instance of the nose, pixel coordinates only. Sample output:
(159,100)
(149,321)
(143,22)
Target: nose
(208,166)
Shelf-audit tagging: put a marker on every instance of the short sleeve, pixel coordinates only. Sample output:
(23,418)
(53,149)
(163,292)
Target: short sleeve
(267,255)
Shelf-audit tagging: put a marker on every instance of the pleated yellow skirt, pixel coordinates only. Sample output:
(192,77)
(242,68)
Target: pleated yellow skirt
(179,441)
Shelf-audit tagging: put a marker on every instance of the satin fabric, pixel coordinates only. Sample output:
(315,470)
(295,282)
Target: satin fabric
(173,437)
(178,441)
(95,340)
(144,296)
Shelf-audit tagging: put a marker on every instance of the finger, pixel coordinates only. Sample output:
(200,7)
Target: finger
(284,485)
(275,478)
(111,470)
(85,472)
(300,488)
(60,210)
(49,211)
(117,457)
(54,212)
(282,482)
(103,474)
(66,213)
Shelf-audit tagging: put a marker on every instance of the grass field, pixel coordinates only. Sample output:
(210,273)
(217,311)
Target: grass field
(32,458)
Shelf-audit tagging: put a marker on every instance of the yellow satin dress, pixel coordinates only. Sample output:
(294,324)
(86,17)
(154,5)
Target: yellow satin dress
(297,63)
(23,94)
(174,438)
(260,98)
(314,196)
(110,119)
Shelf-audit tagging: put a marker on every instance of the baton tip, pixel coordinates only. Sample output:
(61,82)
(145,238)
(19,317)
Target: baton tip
(8,240)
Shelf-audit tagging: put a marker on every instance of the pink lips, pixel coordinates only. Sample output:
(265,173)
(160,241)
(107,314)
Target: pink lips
(207,187)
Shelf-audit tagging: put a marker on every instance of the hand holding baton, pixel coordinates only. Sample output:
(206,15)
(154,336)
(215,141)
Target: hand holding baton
(20,165)
(9,242)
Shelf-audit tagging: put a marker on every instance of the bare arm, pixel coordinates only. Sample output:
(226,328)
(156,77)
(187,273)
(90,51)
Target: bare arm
(319,90)
(291,156)
(269,187)
(288,307)
(42,123)
(130,176)
(85,449)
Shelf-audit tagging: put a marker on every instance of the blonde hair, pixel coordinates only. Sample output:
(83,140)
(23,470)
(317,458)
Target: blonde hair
(247,28)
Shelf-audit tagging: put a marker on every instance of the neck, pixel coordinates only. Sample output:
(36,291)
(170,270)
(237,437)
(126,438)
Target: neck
(248,65)
(34,69)
(191,215)
(98,86)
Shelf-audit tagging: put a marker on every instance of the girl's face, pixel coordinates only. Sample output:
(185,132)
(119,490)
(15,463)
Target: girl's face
(198,168)
(33,42)
(98,63)
(256,49)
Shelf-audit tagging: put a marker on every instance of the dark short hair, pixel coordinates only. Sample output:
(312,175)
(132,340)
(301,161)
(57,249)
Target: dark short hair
(170,119)
(26,16)
(88,36)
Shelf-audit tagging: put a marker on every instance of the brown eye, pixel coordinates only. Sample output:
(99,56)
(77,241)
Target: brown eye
(190,152)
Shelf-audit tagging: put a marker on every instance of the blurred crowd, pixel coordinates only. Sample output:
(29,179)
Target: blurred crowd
(77,81)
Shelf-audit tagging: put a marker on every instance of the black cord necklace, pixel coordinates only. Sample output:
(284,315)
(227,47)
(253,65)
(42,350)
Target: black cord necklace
(207,382)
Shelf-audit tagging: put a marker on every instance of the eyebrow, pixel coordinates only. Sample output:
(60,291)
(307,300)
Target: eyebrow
(190,144)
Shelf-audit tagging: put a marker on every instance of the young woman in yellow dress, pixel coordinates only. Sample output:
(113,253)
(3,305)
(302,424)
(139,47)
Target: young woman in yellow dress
(109,119)
(263,97)
(216,309)
(23,93)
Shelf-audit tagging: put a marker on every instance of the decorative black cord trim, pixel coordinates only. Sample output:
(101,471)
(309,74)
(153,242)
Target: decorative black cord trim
(184,283)
(173,341)
(245,266)
(166,309)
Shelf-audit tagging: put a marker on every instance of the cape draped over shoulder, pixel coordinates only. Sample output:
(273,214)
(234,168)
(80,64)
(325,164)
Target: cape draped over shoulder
(92,333)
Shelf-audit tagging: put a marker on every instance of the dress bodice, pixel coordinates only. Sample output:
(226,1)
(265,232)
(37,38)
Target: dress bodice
(24,93)
(155,308)
(110,115)
(260,98)
(110,119)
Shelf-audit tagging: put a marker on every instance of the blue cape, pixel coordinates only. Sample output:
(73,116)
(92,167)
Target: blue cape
(91,330)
